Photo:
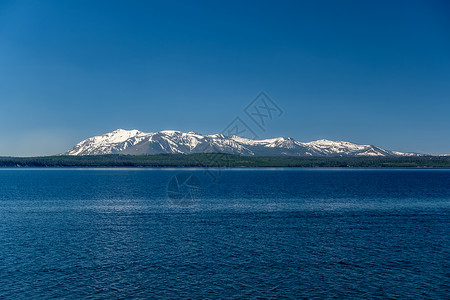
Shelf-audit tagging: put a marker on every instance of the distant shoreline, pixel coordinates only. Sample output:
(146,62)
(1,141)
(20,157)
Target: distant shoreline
(223,160)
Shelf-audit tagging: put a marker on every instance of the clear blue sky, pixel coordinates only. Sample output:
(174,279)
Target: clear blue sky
(374,72)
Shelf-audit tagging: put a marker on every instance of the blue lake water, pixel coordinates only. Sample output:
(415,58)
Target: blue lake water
(238,233)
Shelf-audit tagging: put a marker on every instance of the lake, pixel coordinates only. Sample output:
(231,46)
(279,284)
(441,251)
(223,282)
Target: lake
(231,233)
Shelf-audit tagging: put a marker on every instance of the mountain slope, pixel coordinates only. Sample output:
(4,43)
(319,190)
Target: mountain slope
(135,142)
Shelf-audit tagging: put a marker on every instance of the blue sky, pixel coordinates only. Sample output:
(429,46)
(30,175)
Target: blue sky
(373,72)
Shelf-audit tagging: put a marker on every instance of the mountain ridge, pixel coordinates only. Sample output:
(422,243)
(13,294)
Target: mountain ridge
(135,142)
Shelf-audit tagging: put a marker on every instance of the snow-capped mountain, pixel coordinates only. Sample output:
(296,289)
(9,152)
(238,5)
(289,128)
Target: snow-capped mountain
(135,142)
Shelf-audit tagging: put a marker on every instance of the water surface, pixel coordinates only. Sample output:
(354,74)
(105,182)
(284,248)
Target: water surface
(240,233)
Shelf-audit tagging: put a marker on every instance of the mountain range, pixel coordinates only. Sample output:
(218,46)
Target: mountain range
(135,142)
